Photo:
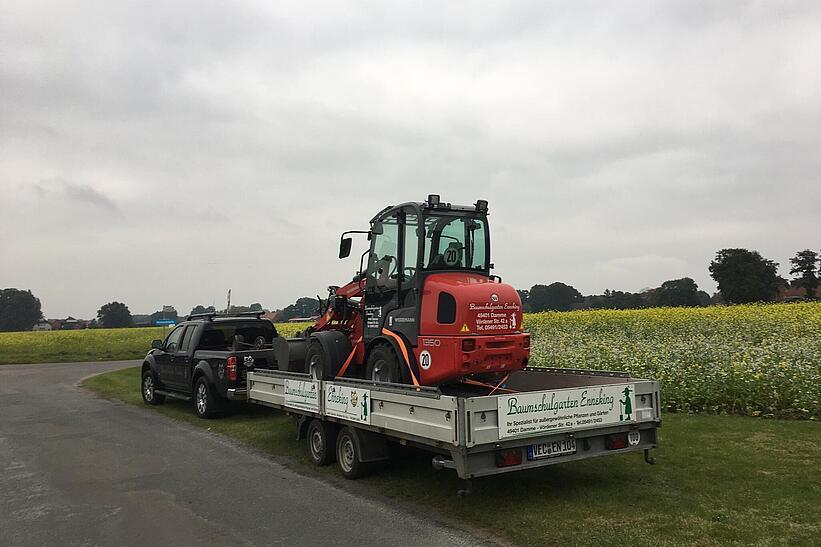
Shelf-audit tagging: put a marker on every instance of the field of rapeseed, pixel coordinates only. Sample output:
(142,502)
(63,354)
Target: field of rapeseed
(753,359)
(89,344)
(756,360)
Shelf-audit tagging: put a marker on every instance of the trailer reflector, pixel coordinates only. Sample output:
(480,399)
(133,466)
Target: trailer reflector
(614,442)
(509,458)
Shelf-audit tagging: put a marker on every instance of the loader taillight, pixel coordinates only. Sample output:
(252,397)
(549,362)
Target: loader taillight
(231,368)
(468,344)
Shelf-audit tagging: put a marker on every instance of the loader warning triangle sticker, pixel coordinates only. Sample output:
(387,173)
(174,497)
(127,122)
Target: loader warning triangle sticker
(465,328)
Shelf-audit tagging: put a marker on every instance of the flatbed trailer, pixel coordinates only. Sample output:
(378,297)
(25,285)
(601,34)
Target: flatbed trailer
(538,417)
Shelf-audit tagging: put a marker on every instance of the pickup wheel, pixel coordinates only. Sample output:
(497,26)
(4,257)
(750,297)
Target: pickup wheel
(321,442)
(348,457)
(148,387)
(206,402)
(383,366)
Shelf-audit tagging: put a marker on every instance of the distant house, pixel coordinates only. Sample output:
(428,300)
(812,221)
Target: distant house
(42,325)
(70,323)
(790,293)
(303,319)
(142,320)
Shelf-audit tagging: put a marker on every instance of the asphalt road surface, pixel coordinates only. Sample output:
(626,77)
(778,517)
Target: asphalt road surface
(78,469)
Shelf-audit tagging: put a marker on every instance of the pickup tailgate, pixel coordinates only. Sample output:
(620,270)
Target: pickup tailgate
(254,359)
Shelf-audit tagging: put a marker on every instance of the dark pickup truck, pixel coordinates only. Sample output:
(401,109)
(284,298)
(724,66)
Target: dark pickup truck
(206,358)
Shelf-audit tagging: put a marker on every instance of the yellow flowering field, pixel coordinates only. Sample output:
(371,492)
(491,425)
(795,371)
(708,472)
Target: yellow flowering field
(762,359)
(90,344)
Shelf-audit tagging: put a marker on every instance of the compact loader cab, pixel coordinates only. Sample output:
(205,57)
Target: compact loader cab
(411,242)
(431,311)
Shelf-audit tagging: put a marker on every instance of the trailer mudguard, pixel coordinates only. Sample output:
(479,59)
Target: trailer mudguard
(335,345)
(372,447)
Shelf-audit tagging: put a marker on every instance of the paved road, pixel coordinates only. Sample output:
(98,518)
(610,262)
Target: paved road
(77,469)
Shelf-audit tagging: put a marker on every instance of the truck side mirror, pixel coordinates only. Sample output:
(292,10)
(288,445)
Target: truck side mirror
(344,247)
(156,344)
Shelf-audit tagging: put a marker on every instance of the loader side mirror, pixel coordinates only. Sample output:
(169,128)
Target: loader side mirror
(377,228)
(344,247)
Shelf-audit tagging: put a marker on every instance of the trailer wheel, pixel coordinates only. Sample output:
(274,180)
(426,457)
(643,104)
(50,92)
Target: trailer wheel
(348,456)
(383,365)
(321,440)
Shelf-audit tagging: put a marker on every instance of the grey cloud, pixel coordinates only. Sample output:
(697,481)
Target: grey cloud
(617,145)
(81,193)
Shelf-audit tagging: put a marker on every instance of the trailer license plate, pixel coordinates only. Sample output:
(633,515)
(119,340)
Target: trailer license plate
(551,450)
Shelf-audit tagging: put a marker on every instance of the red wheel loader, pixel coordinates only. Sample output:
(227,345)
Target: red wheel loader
(424,308)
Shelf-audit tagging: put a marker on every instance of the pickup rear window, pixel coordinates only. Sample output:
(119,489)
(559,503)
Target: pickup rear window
(221,336)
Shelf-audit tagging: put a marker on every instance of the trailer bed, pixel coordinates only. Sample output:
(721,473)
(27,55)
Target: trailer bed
(538,418)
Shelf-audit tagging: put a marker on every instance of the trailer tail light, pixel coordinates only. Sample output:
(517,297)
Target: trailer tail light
(468,344)
(509,458)
(231,368)
(526,341)
(614,442)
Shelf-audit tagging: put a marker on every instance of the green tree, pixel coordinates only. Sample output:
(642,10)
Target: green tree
(114,315)
(804,267)
(524,295)
(677,293)
(744,276)
(303,307)
(556,296)
(256,306)
(19,310)
(202,309)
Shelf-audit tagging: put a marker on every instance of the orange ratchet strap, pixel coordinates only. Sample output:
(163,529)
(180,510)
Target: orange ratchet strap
(349,359)
(470,382)
(404,354)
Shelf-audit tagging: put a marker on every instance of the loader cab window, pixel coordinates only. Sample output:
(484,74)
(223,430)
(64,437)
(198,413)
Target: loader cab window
(383,262)
(455,243)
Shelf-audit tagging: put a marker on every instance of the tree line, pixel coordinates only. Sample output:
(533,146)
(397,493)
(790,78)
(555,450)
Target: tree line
(742,276)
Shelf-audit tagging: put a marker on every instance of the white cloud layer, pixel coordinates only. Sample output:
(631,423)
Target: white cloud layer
(161,153)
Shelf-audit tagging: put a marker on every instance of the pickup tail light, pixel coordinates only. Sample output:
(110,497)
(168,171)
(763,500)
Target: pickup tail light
(614,442)
(508,458)
(231,368)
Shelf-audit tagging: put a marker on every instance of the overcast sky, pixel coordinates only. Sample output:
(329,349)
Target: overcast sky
(163,152)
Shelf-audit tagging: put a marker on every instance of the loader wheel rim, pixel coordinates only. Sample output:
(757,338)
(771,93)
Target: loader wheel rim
(381,372)
(148,388)
(315,367)
(202,398)
(347,454)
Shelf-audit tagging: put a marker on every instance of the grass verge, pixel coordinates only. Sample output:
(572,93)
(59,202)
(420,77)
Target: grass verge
(719,480)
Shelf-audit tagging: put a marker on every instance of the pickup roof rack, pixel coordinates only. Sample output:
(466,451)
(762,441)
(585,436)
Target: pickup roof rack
(210,316)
